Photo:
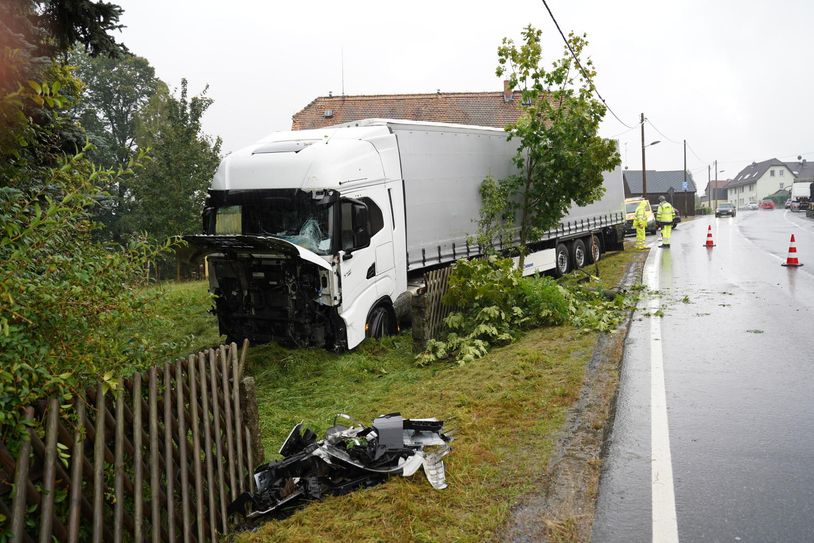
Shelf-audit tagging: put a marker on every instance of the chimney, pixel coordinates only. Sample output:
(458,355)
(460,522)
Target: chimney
(508,94)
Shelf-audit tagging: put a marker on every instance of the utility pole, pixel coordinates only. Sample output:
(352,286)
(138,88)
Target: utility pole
(685,186)
(644,166)
(709,184)
(716,182)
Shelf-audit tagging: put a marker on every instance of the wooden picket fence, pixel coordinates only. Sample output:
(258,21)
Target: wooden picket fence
(428,311)
(159,459)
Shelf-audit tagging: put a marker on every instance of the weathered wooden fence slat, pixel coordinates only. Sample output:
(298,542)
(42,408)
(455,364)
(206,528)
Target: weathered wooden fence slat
(168,453)
(101,472)
(428,311)
(78,459)
(229,433)
(218,442)
(138,491)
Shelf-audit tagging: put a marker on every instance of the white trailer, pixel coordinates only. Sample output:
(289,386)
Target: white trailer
(313,235)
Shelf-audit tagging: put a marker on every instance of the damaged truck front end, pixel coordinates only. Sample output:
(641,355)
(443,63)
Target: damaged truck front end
(270,266)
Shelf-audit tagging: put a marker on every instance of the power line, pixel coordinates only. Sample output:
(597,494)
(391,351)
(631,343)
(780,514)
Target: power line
(661,133)
(590,82)
(623,133)
(696,154)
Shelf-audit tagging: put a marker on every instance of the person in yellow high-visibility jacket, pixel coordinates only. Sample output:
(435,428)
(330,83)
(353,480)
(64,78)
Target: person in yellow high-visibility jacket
(664,216)
(640,224)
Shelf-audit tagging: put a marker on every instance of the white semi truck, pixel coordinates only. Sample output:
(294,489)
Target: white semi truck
(320,237)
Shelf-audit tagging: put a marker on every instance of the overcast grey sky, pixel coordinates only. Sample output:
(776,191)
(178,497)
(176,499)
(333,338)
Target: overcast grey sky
(732,77)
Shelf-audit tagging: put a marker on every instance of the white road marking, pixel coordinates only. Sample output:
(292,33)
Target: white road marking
(665,523)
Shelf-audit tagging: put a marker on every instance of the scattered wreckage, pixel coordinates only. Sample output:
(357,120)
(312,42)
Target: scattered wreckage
(349,457)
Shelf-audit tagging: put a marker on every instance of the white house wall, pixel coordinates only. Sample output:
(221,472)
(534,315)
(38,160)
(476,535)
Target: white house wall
(764,186)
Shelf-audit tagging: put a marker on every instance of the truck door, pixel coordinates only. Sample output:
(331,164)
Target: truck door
(358,272)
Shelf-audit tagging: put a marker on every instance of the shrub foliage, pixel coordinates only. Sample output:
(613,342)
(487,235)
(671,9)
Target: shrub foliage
(68,305)
(494,303)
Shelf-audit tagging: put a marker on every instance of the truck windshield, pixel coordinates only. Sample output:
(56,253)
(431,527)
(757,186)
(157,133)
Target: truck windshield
(299,217)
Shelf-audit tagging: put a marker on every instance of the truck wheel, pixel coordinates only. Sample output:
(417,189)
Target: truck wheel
(562,262)
(579,256)
(379,323)
(594,250)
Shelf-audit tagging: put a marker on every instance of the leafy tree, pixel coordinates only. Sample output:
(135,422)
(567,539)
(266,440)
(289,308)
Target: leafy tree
(115,91)
(560,157)
(34,90)
(68,305)
(169,191)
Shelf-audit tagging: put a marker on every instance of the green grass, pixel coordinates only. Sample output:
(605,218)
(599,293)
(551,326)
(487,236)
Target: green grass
(507,407)
(186,325)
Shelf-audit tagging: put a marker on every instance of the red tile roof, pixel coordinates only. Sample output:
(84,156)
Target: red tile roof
(475,108)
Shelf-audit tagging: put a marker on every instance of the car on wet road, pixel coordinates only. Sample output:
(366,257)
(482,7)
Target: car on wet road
(725,208)
(767,204)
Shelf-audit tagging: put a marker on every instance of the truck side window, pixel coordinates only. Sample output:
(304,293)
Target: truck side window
(374,216)
(355,225)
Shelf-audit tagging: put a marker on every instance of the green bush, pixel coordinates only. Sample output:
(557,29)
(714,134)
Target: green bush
(68,305)
(545,301)
(493,303)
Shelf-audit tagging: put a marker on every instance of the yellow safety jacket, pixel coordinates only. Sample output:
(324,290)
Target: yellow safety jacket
(665,213)
(640,217)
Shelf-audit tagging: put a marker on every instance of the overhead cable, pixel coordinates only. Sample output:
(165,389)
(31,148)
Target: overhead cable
(660,132)
(584,74)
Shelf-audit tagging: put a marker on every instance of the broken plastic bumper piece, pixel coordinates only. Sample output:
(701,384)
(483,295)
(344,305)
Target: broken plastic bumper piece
(347,458)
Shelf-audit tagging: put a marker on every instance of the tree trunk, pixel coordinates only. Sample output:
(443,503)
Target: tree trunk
(524,221)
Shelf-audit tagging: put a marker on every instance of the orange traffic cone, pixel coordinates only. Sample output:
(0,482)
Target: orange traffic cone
(709,244)
(791,260)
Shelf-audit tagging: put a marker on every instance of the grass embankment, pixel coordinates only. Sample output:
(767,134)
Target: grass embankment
(507,408)
(186,324)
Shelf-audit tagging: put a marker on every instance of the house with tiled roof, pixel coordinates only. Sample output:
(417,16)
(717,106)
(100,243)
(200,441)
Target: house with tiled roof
(495,109)
(759,180)
(667,183)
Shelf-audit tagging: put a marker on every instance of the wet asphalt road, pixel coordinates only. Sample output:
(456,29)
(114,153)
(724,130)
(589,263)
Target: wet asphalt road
(737,344)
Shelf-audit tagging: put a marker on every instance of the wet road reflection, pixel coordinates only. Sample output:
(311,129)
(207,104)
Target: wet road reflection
(738,340)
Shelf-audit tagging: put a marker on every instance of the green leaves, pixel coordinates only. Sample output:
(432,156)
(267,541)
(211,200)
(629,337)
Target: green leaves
(493,304)
(67,303)
(561,157)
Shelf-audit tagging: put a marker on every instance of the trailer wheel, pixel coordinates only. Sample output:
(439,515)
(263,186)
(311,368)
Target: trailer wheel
(562,260)
(380,323)
(594,250)
(579,256)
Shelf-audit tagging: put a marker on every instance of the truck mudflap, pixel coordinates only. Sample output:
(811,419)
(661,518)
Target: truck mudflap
(267,289)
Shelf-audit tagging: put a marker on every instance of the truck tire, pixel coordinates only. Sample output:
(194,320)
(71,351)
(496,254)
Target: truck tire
(594,250)
(579,255)
(562,260)
(380,323)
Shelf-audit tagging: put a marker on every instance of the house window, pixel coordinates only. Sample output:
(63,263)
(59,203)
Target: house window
(781,185)
(781,173)
(771,173)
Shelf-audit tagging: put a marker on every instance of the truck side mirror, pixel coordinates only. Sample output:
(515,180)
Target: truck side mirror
(208,217)
(361,234)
